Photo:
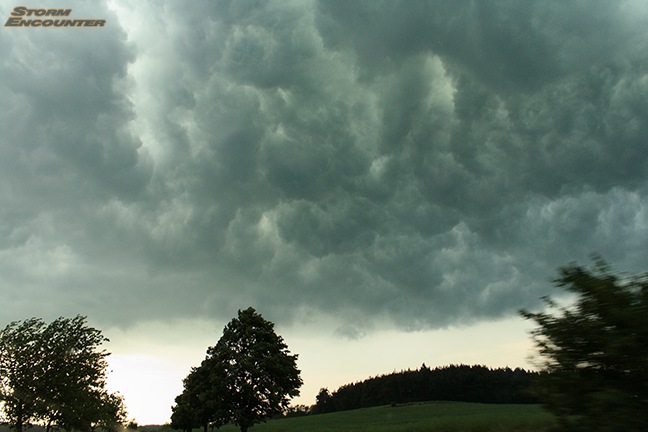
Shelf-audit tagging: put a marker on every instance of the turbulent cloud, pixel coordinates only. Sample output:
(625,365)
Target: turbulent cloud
(413,164)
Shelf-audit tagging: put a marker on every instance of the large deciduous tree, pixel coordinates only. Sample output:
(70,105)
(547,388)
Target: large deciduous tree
(55,374)
(594,353)
(200,404)
(20,359)
(248,377)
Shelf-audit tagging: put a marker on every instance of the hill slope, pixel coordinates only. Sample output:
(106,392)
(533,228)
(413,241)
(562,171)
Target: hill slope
(420,417)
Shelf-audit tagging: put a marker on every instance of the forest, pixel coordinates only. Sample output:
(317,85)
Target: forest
(461,383)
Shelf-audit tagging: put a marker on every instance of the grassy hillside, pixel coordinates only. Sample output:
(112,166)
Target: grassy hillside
(424,417)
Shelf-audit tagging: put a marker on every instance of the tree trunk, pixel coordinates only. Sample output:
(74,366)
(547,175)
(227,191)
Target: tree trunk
(19,417)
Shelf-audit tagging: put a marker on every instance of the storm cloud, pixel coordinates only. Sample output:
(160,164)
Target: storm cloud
(413,164)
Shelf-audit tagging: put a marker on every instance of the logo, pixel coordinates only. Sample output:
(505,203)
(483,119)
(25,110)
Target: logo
(22,16)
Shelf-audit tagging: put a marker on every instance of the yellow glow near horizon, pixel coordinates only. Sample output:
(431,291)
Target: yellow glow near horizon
(149,374)
(146,382)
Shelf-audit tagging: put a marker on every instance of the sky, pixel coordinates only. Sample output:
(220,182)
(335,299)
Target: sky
(389,182)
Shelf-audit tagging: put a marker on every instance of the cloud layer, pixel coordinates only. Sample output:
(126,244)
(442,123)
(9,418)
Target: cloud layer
(415,164)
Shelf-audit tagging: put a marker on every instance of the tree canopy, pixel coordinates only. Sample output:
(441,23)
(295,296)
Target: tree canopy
(55,374)
(200,403)
(246,378)
(594,353)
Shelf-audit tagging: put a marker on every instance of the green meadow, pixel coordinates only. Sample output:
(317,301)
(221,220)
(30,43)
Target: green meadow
(421,417)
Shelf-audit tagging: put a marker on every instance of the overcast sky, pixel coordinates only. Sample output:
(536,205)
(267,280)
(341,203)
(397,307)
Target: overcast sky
(357,168)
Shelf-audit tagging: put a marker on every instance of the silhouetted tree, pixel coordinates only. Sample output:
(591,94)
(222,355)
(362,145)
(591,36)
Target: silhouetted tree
(20,355)
(323,402)
(56,375)
(247,378)
(201,403)
(182,414)
(258,372)
(595,352)
(112,413)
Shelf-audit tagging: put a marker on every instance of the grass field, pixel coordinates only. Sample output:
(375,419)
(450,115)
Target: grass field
(424,417)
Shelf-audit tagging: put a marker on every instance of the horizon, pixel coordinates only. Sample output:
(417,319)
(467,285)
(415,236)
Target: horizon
(138,377)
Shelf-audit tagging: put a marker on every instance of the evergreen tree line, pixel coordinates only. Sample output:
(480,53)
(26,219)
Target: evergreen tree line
(459,383)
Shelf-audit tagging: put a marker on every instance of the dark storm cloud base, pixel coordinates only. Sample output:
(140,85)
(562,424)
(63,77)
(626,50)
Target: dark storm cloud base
(417,164)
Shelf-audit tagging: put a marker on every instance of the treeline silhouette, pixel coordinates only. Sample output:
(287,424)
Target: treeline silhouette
(459,383)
